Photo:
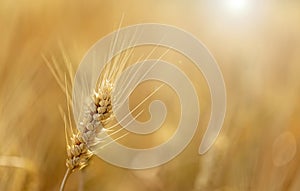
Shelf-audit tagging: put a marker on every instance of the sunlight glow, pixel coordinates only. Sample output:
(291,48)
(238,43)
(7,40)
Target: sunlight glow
(237,5)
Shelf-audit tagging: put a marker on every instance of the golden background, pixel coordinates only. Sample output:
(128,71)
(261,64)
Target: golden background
(257,47)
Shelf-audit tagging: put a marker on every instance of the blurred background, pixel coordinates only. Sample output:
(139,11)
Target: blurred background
(256,44)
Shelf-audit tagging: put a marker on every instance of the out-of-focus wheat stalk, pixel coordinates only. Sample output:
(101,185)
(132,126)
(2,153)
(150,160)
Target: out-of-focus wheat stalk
(20,161)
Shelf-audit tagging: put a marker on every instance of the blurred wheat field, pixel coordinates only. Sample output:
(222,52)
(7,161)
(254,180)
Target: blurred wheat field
(257,49)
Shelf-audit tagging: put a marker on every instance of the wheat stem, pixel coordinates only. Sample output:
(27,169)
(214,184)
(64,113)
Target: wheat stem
(81,181)
(63,183)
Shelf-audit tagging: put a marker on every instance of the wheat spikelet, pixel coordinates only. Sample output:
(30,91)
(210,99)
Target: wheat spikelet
(97,113)
(77,153)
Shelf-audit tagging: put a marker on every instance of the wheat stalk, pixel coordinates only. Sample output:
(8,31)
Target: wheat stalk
(78,153)
(97,113)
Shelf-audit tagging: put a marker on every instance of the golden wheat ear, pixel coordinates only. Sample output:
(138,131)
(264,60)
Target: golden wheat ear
(78,153)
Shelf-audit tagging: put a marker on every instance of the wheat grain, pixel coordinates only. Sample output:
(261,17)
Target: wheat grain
(77,153)
(97,113)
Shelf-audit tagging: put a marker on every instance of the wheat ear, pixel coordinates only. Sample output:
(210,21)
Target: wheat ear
(97,113)
(78,153)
